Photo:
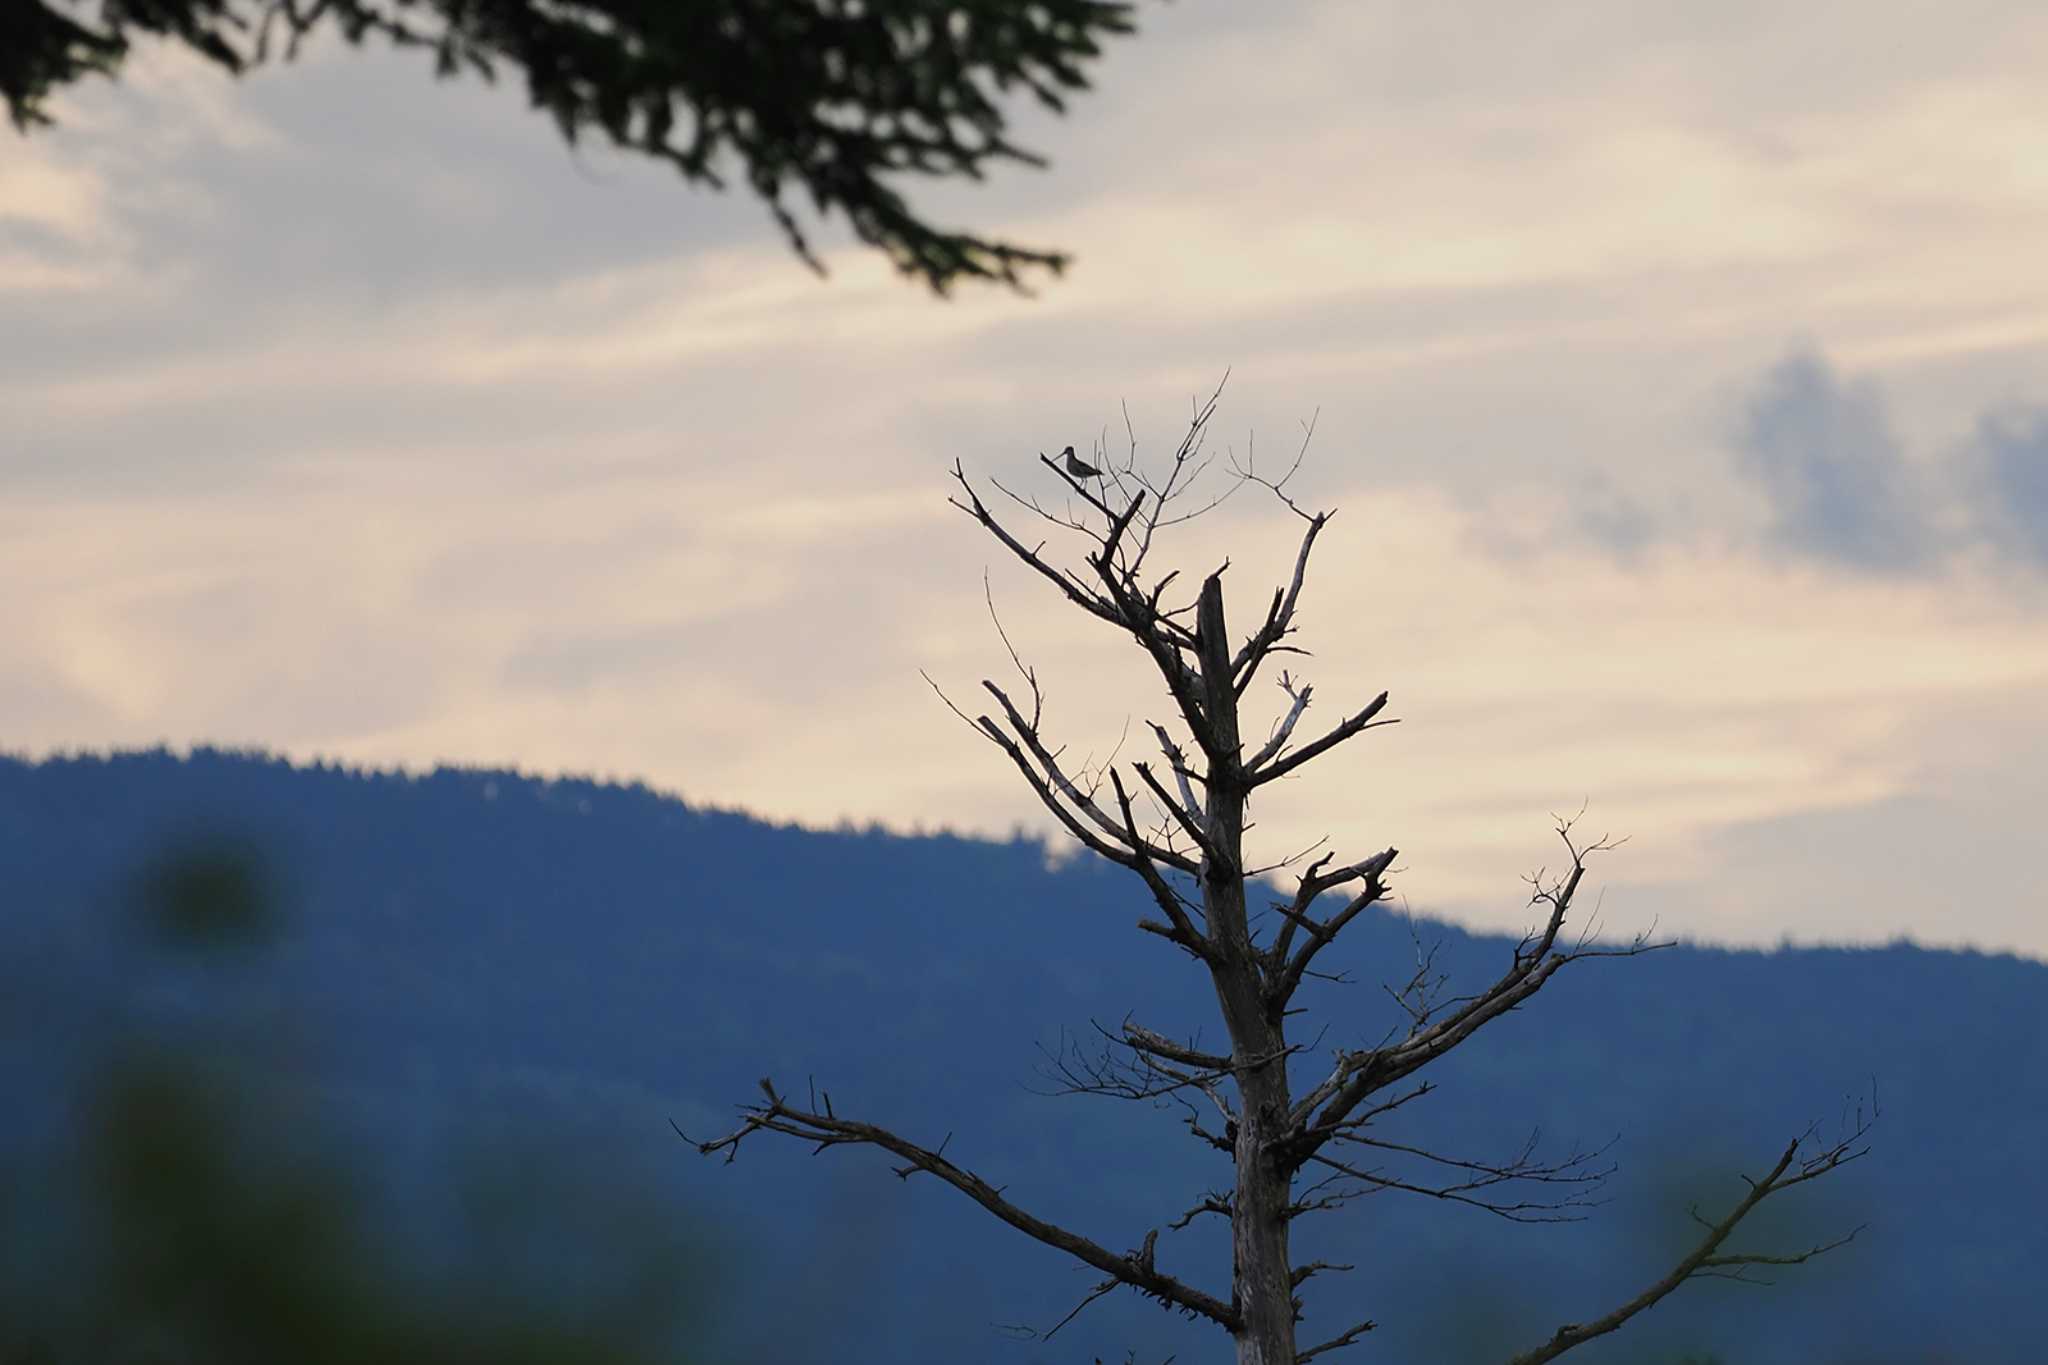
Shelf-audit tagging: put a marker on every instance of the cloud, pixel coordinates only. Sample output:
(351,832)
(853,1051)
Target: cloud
(1839,490)
(348,412)
(2010,451)
(1824,453)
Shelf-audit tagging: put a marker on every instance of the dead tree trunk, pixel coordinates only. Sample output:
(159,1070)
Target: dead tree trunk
(1261,1267)
(1192,862)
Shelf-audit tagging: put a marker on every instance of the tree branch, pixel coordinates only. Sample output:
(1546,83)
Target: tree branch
(1164,896)
(1143,1039)
(1359,1074)
(826,1129)
(1348,1337)
(1285,729)
(1703,1258)
(1321,935)
(1280,616)
(1088,602)
(1559,1209)
(1189,819)
(1280,767)
(1056,780)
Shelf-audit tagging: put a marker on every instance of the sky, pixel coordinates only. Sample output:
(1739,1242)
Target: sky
(1678,371)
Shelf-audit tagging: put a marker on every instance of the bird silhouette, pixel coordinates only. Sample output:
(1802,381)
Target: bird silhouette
(1079,467)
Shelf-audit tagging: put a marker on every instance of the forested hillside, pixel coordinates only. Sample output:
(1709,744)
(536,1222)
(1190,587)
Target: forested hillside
(509,969)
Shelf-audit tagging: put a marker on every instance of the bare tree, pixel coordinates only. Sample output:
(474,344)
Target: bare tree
(1179,828)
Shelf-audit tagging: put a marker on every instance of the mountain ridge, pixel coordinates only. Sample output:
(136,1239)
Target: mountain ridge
(594,954)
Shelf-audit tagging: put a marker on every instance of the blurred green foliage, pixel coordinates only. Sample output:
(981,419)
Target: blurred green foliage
(198,1220)
(208,893)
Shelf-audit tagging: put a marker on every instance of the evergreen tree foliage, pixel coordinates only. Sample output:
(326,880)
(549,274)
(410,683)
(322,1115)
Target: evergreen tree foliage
(827,99)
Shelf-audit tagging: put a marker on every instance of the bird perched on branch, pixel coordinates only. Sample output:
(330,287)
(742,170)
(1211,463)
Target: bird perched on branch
(1079,467)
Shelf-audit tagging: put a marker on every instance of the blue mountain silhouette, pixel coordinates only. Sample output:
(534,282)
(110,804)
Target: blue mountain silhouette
(568,967)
